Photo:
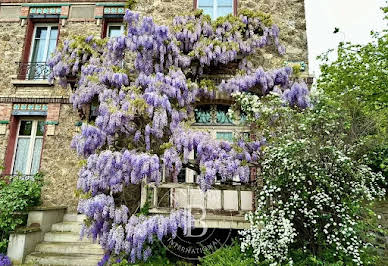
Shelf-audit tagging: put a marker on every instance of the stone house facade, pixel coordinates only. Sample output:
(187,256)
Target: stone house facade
(37,121)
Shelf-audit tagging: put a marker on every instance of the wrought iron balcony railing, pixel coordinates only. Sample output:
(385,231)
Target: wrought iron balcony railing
(33,71)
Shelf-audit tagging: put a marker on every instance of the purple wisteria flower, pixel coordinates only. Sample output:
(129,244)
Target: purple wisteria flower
(5,260)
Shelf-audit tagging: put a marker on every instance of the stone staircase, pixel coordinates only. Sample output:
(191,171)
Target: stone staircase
(62,245)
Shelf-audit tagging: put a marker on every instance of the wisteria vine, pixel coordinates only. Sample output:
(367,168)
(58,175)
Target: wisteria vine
(145,103)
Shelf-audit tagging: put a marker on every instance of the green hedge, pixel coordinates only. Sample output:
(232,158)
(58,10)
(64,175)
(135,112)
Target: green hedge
(16,195)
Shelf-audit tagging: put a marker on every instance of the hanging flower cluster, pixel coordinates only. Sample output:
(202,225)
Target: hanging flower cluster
(4,260)
(119,232)
(213,157)
(226,39)
(140,128)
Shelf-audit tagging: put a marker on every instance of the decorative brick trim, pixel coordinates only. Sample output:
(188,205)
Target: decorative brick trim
(51,122)
(33,100)
(65,11)
(4,122)
(114,10)
(99,12)
(24,11)
(53,111)
(28,113)
(29,107)
(45,10)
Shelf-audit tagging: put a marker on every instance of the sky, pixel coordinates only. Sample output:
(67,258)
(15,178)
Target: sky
(354,18)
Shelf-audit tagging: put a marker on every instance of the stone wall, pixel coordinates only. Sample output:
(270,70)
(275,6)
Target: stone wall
(58,161)
(11,48)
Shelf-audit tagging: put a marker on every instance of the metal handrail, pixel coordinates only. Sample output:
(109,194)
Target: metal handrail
(33,71)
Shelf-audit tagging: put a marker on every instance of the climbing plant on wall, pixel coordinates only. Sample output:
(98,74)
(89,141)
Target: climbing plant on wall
(147,84)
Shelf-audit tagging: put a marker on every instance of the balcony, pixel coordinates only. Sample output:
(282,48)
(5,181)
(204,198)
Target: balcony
(32,74)
(223,206)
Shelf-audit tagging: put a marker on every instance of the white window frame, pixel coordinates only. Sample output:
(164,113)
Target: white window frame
(114,24)
(49,26)
(215,8)
(33,137)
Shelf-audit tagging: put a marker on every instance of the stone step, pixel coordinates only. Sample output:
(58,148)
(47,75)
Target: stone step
(64,237)
(70,248)
(74,227)
(73,217)
(38,258)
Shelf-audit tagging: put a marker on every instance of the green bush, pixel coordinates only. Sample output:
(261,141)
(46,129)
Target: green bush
(378,160)
(16,195)
(228,256)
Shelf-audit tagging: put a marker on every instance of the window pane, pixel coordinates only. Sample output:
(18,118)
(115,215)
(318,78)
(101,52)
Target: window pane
(51,48)
(114,31)
(38,51)
(52,42)
(207,11)
(40,129)
(41,33)
(21,155)
(228,3)
(36,155)
(223,11)
(25,128)
(204,3)
(227,136)
(54,33)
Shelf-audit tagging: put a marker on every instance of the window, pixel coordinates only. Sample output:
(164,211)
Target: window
(214,119)
(217,8)
(226,136)
(215,114)
(29,143)
(43,45)
(115,30)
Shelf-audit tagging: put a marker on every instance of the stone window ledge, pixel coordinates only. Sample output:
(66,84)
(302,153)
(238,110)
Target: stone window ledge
(26,83)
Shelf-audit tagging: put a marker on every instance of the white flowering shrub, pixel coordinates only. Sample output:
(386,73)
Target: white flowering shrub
(269,236)
(313,203)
